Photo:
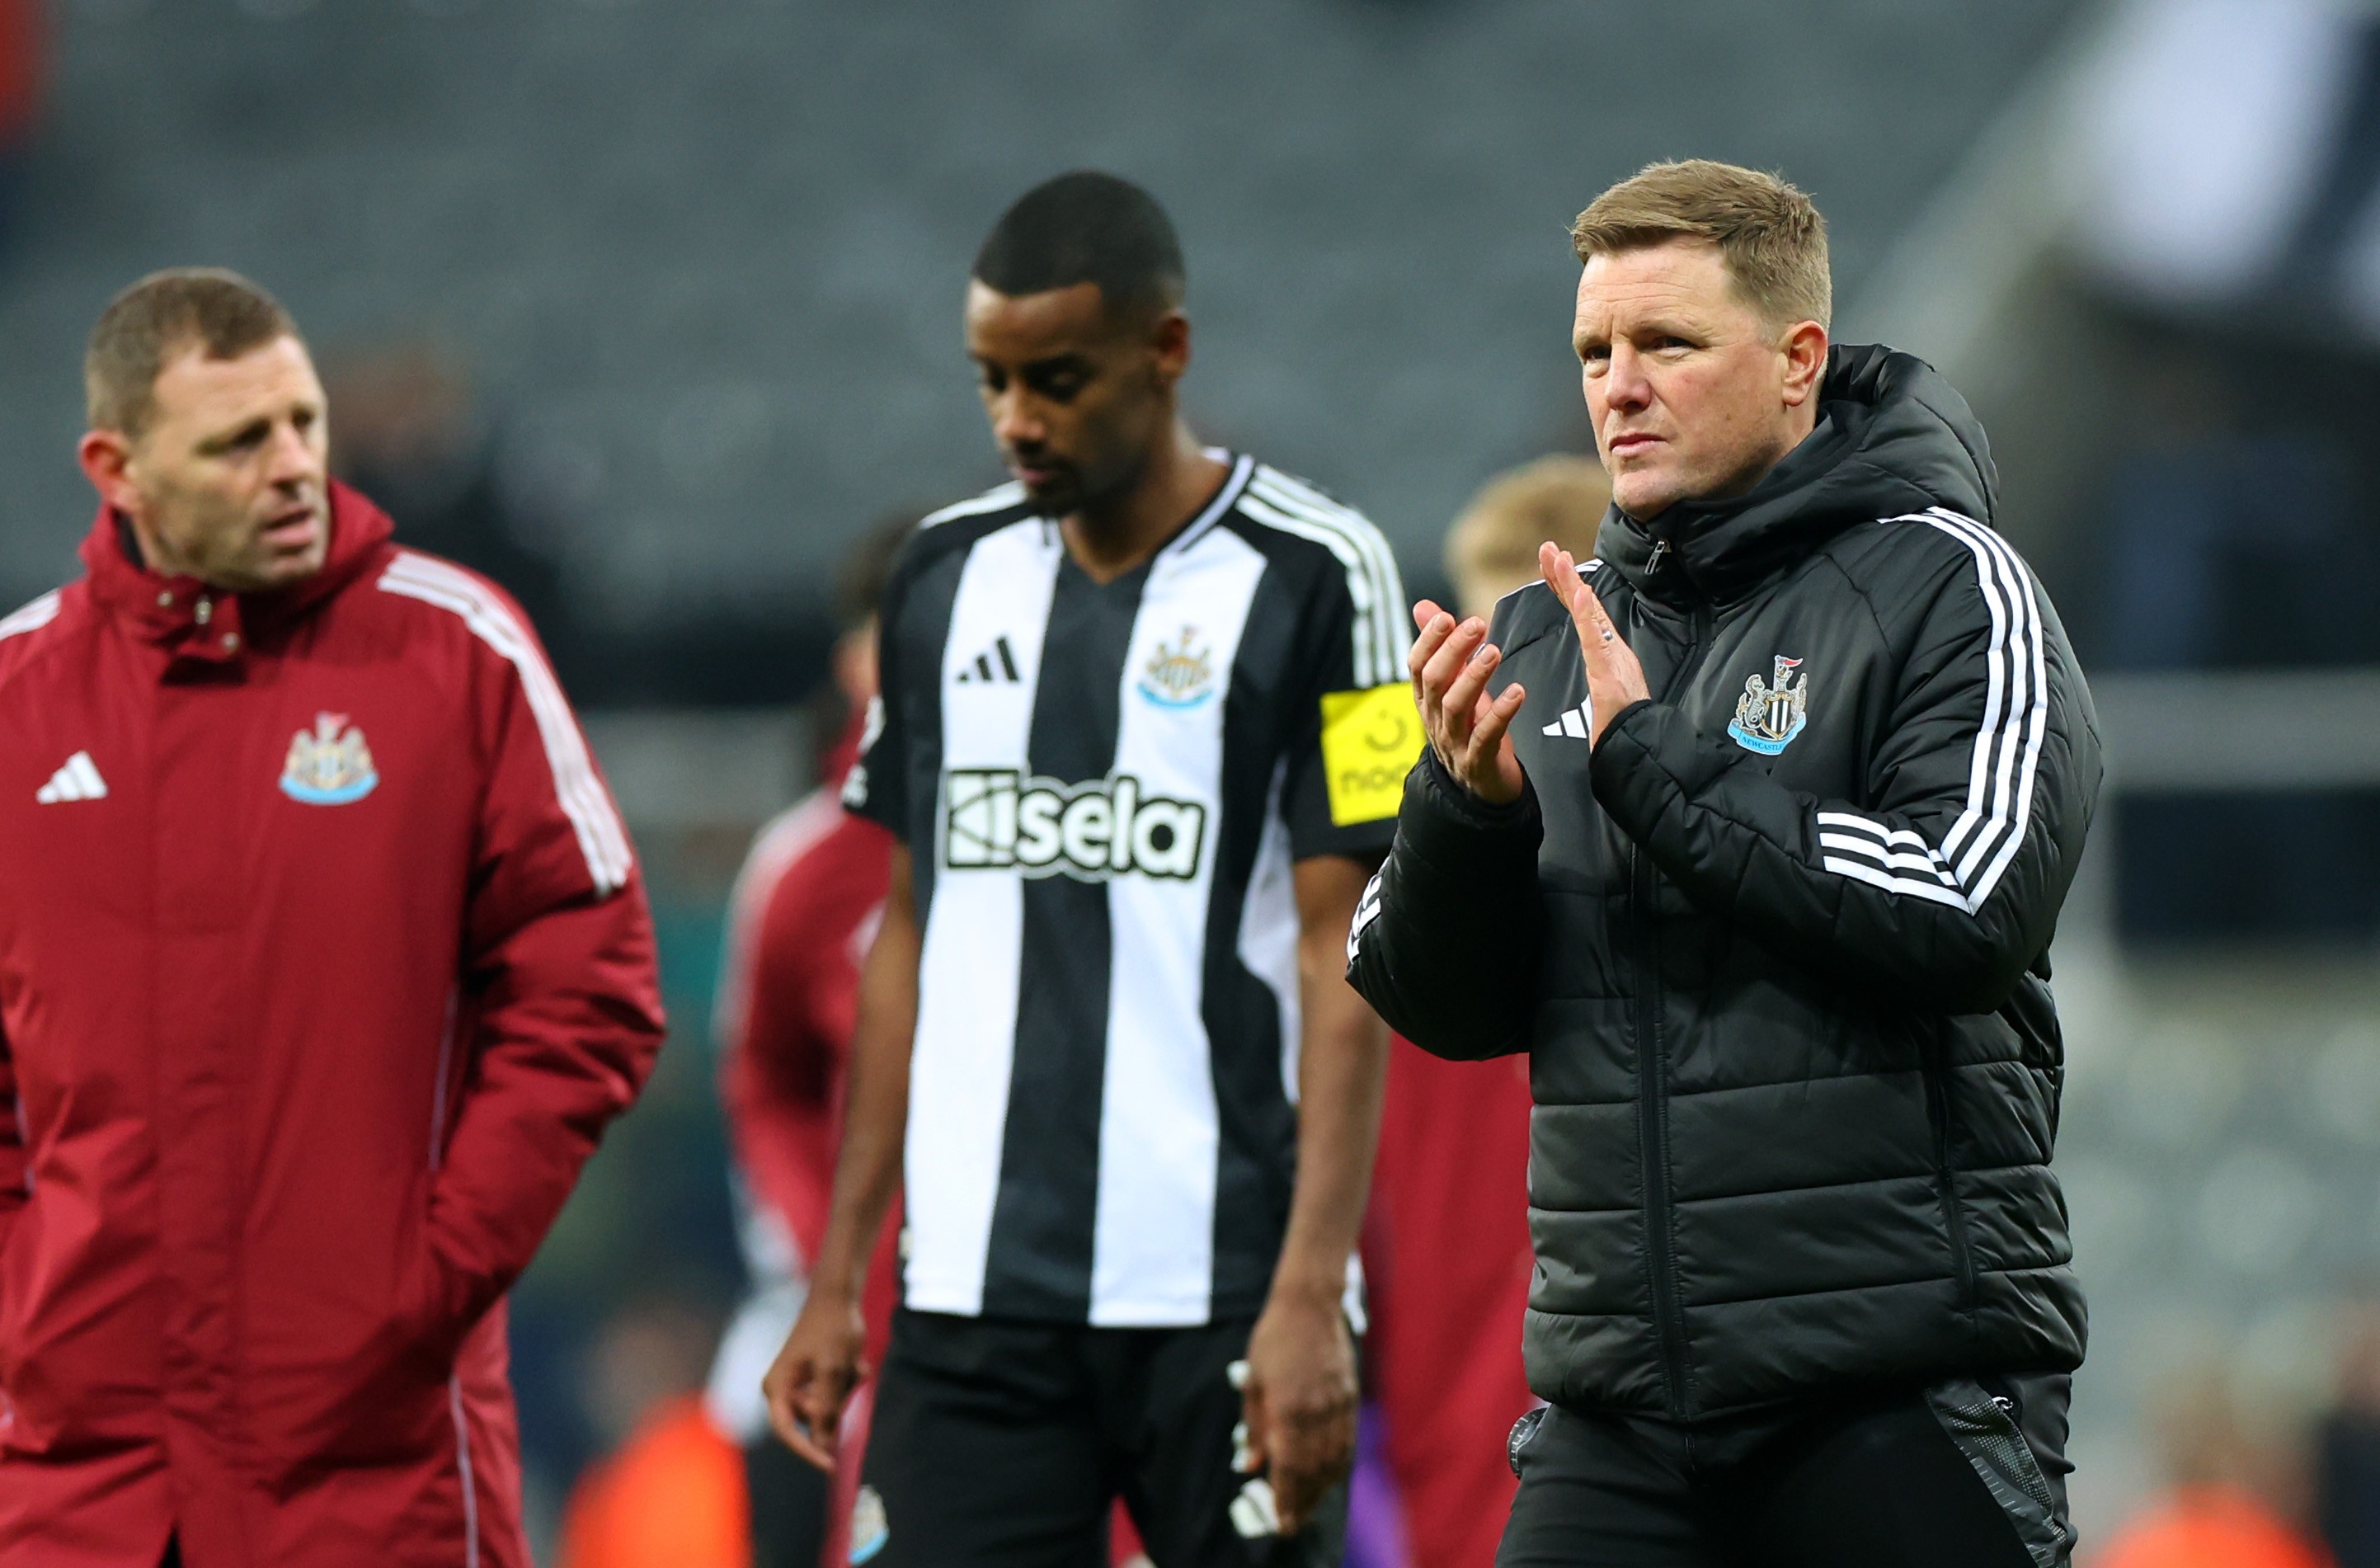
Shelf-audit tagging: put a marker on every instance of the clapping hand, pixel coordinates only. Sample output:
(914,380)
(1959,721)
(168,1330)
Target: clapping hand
(1614,678)
(1450,666)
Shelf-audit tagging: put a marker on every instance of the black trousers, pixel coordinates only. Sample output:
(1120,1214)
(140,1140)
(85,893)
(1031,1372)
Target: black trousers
(1966,1474)
(997,1442)
(789,1505)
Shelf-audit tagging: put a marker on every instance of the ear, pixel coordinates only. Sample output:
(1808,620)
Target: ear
(106,458)
(1169,342)
(1805,361)
(855,664)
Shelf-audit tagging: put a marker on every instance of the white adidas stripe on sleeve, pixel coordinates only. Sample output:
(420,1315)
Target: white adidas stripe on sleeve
(31,616)
(584,800)
(781,843)
(1985,839)
(1275,499)
(1367,909)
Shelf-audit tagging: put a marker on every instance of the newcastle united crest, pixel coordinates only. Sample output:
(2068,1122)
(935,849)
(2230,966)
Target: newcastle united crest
(1768,717)
(329,766)
(1179,675)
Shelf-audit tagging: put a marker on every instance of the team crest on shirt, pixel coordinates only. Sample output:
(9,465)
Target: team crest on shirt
(1768,717)
(1179,675)
(328,765)
(868,1530)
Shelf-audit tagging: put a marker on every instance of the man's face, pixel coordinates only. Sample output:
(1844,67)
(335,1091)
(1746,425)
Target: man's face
(1078,397)
(229,483)
(1694,396)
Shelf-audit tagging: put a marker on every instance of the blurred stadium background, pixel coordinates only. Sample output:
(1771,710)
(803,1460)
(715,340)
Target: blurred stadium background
(651,308)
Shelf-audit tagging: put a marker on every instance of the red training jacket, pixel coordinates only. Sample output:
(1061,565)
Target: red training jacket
(324,962)
(1446,1248)
(805,909)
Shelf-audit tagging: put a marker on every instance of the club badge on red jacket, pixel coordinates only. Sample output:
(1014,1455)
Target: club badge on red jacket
(331,765)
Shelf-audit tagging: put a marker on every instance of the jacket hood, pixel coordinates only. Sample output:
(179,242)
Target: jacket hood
(1892,436)
(204,623)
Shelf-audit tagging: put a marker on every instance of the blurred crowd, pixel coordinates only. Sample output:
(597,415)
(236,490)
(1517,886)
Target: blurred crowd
(2249,1482)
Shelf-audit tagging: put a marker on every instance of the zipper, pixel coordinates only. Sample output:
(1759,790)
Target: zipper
(1938,1106)
(1653,1136)
(1653,1065)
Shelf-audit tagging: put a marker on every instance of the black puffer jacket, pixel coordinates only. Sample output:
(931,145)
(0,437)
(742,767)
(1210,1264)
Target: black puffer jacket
(1779,950)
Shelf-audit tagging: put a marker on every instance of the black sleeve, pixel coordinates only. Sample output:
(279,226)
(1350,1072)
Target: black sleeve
(1444,944)
(1941,886)
(877,784)
(1354,730)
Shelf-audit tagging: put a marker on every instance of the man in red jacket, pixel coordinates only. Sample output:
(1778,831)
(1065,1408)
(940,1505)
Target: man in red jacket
(324,962)
(806,906)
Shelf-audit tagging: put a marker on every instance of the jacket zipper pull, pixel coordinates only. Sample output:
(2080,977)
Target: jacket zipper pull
(1659,557)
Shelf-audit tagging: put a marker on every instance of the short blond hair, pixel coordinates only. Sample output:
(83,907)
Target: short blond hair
(1493,549)
(1770,234)
(220,313)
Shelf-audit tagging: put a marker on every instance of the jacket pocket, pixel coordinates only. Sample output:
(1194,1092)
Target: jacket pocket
(1935,1066)
(368,1389)
(1983,1429)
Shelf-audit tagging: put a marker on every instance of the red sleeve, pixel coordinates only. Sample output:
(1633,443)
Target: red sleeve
(798,948)
(561,1012)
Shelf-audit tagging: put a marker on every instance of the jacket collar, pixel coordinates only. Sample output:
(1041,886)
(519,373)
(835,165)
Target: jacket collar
(211,624)
(1893,437)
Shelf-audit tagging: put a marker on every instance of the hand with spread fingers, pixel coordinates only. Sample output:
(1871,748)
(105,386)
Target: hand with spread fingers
(1450,665)
(1614,678)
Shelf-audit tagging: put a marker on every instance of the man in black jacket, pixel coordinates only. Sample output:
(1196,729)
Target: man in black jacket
(1753,834)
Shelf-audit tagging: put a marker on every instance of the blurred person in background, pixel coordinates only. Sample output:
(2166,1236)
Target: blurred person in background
(1777,953)
(670,1493)
(411,437)
(24,54)
(1446,1240)
(1139,738)
(2233,1490)
(1493,549)
(324,961)
(803,910)
(2347,1444)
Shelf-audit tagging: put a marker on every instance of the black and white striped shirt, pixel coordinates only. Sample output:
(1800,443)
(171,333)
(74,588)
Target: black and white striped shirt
(1104,787)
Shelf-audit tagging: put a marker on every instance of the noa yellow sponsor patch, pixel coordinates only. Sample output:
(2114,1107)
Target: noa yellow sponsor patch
(1370,740)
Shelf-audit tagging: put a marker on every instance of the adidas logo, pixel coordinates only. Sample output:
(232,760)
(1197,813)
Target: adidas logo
(1576,722)
(997,662)
(79,779)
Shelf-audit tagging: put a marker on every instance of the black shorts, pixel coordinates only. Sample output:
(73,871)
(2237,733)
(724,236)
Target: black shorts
(996,1442)
(1960,1475)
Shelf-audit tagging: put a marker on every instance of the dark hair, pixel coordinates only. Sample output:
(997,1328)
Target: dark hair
(1087,227)
(867,567)
(220,312)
